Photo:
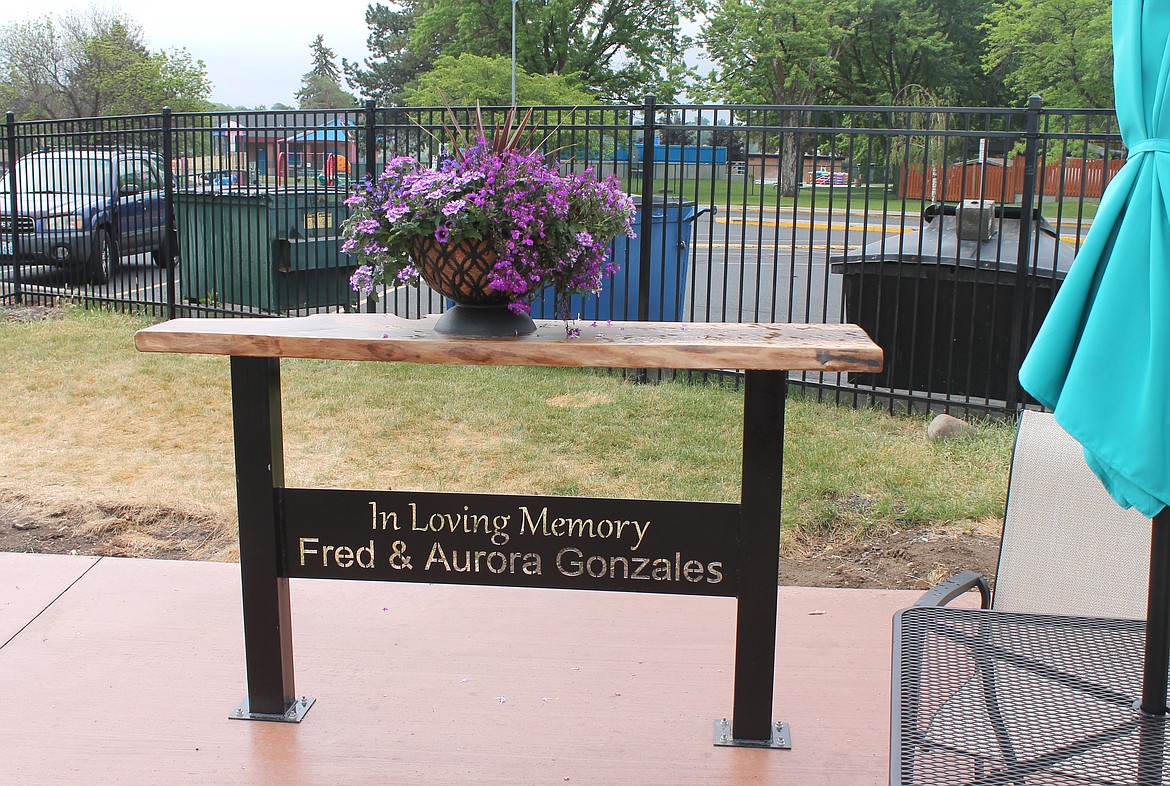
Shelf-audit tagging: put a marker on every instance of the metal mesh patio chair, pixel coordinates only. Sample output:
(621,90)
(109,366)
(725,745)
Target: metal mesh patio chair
(969,686)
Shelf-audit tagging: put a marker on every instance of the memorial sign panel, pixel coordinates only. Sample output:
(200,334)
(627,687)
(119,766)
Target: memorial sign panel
(628,545)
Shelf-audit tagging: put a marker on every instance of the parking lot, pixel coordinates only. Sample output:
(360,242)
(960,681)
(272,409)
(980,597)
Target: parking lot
(745,267)
(137,280)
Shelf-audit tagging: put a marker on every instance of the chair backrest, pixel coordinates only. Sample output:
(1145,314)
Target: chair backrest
(1068,548)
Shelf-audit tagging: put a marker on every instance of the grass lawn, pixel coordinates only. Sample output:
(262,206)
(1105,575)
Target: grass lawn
(90,419)
(739,193)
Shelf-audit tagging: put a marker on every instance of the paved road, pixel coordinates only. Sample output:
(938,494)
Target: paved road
(138,279)
(740,270)
(745,266)
(763,266)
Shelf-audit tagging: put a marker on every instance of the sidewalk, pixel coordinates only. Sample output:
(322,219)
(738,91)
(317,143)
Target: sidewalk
(125,671)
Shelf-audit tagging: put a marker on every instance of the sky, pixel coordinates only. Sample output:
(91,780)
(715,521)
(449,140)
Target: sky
(255,52)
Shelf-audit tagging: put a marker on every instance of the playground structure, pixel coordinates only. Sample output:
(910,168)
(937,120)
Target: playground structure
(320,155)
(329,169)
(269,150)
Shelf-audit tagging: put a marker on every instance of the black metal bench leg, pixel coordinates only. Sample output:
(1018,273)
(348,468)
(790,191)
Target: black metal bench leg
(755,635)
(259,447)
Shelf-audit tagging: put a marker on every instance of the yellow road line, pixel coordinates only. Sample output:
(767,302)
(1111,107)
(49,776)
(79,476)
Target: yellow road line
(812,225)
(893,230)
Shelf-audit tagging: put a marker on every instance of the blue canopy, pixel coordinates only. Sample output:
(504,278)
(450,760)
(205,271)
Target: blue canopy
(333,131)
(1101,360)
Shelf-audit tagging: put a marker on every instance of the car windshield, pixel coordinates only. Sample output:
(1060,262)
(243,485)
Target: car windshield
(60,175)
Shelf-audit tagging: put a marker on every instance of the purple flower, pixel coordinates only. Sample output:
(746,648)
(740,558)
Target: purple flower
(362,280)
(549,228)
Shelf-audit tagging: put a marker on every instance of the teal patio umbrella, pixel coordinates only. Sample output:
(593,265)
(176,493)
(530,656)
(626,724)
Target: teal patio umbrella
(1101,360)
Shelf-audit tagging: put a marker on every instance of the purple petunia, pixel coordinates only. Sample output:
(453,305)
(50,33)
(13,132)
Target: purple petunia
(548,228)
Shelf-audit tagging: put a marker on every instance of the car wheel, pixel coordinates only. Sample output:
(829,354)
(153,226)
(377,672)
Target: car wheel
(159,258)
(103,259)
(159,255)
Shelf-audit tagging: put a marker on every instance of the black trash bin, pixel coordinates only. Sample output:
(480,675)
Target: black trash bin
(941,301)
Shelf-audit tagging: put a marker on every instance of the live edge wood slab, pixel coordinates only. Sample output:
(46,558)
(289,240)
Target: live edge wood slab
(387,338)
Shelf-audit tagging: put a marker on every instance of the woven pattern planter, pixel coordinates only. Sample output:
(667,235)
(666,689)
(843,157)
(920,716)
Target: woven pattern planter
(460,271)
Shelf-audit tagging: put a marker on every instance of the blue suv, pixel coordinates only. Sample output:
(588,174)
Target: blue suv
(83,209)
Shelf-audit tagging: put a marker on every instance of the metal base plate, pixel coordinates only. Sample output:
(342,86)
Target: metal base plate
(294,714)
(781,737)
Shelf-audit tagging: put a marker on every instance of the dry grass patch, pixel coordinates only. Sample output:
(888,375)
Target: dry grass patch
(136,448)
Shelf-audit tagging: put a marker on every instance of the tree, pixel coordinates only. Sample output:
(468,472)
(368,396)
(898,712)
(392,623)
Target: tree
(726,136)
(671,131)
(95,64)
(772,51)
(468,80)
(782,52)
(321,85)
(323,60)
(619,49)
(890,45)
(317,92)
(924,147)
(1061,49)
(397,60)
(32,61)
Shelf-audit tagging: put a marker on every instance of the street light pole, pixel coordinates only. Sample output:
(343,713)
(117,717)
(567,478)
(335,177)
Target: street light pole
(513,52)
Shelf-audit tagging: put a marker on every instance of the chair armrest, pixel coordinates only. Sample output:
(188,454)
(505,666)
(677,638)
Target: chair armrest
(955,586)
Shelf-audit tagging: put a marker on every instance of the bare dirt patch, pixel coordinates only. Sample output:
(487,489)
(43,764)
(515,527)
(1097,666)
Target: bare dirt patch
(29,313)
(107,531)
(899,560)
(902,560)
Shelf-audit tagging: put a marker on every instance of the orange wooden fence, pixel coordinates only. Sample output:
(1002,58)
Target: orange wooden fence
(1072,178)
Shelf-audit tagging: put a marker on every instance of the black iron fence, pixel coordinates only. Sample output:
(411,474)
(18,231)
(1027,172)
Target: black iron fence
(944,232)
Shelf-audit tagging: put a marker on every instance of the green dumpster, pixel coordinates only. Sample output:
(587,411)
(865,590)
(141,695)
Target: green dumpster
(271,250)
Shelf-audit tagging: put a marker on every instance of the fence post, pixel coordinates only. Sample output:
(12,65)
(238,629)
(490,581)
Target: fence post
(371,168)
(1020,310)
(13,234)
(371,116)
(172,235)
(647,209)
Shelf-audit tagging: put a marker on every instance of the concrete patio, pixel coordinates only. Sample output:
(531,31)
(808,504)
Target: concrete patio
(125,671)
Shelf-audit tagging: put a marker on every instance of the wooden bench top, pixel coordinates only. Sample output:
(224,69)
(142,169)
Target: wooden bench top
(387,338)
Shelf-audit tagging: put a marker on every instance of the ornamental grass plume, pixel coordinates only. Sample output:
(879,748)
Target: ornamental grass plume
(547,228)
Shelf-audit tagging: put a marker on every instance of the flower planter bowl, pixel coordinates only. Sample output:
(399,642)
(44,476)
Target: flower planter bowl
(461,272)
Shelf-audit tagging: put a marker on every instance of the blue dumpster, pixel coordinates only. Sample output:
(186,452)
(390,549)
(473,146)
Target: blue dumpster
(670,244)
